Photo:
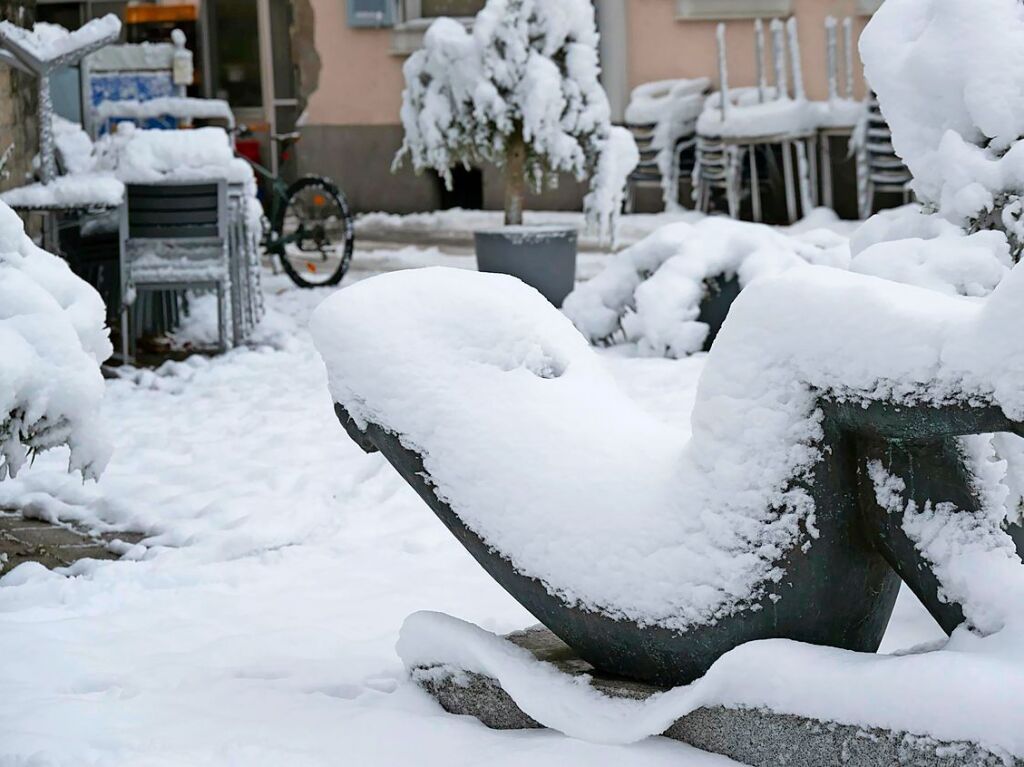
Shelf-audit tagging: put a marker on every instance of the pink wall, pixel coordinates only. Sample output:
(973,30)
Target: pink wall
(360,80)
(662,47)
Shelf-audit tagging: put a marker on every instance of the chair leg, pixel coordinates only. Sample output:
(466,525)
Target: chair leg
(125,354)
(755,187)
(221,319)
(805,179)
(787,172)
(825,151)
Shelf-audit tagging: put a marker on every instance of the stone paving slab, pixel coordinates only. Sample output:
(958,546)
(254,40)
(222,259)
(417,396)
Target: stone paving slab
(34,540)
(757,737)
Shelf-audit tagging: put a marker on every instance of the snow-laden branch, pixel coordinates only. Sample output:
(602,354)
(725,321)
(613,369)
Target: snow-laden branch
(52,337)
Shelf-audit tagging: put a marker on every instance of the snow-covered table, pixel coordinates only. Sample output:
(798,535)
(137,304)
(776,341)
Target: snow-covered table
(65,197)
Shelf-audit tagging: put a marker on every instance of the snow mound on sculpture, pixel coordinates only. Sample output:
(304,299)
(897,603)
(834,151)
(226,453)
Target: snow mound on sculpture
(948,76)
(531,443)
(52,339)
(650,293)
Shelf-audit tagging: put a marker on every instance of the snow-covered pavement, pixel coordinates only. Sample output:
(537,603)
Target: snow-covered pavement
(257,623)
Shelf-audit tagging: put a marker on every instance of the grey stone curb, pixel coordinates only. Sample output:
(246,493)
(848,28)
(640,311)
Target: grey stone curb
(757,737)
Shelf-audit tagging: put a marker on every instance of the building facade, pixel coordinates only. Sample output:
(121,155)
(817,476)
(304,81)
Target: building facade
(351,125)
(334,67)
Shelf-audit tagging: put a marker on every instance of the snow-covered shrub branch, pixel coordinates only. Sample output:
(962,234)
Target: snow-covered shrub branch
(521,91)
(52,339)
(948,75)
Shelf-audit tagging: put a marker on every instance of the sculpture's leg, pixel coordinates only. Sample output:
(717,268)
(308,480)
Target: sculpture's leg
(933,472)
(918,447)
(719,293)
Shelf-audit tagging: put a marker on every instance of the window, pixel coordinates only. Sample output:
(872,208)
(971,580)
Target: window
(434,8)
(732,9)
(416,15)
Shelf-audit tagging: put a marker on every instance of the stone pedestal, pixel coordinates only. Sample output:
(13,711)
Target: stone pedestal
(757,737)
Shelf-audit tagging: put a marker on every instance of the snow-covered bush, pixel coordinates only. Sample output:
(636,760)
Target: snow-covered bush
(650,293)
(521,91)
(52,339)
(948,76)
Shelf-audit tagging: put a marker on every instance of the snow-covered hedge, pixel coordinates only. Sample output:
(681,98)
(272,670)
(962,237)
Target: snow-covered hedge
(52,339)
(526,77)
(650,293)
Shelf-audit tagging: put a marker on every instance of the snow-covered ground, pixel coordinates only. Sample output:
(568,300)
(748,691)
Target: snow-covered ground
(257,622)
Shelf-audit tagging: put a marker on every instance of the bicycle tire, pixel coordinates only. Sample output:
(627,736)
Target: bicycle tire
(330,189)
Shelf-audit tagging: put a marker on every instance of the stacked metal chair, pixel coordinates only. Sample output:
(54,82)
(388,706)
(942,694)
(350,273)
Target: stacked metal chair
(740,164)
(842,113)
(647,174)
(652,172)
(879,168)
(174,237)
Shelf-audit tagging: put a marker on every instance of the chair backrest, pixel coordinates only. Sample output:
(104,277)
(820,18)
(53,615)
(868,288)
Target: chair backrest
(176,211)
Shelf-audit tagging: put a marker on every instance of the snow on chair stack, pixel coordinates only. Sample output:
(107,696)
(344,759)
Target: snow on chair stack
(662,116)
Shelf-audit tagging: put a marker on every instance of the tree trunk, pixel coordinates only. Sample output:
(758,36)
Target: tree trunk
(515,179)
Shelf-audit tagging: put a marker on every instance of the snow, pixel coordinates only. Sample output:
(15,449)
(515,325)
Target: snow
(73,144)
(772,118)
(53,336)
(85,190)
(184,108)
(527,69)
(947,76)
(148,156)
(99,172)
(838,113)
(967,690)
(50,42)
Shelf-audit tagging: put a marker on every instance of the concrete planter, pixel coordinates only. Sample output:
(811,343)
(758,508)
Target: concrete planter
(544,257)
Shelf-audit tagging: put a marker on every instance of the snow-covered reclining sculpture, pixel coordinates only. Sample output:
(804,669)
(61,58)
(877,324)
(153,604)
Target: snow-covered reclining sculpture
(52,339)
(824,458)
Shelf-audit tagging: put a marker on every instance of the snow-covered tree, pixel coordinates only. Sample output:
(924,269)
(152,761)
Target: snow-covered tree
(521,91)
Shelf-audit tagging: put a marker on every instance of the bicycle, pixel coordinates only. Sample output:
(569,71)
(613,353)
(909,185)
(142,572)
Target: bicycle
(308,224)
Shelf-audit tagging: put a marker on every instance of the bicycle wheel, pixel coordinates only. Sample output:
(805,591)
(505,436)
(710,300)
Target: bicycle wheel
(315,231)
